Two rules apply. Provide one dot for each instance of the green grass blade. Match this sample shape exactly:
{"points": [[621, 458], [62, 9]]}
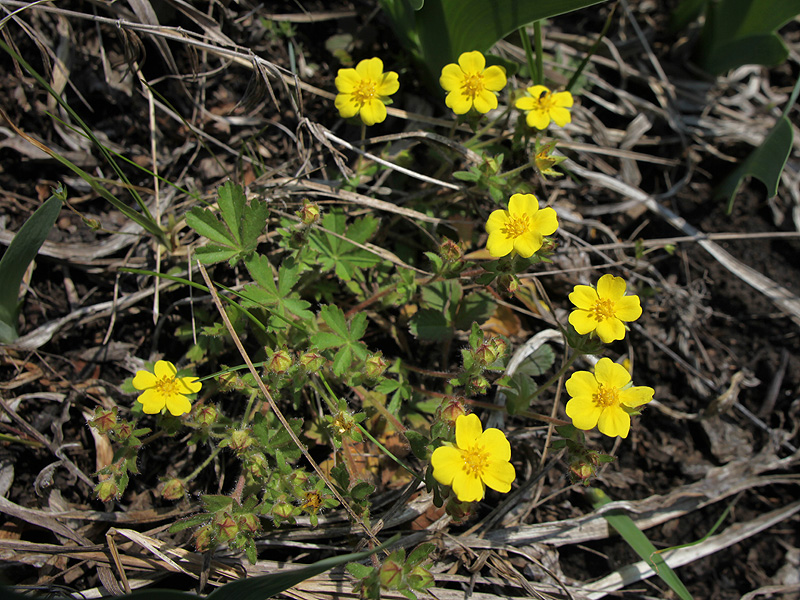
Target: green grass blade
{"points": [[22, 250], [639, 542]]}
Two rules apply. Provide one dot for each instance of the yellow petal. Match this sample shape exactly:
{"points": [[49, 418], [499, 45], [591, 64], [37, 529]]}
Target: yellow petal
{"points": [[178, 405], [545, 221], [562, 99], [610, 287], [582, 321], [636, 395], [499, 244], [152, 401], [611, 374], [583, 412], [610, 330], [468, 488], [164, 368], [388, 85], [144, 380], [537, 90], [346, 105], [370, 68], [373, 111], [560, 116], [472, 62], [584, 297], [452, 78], [527, 244], [347, 80], [526, 103], [538, 119], [189, 385], [494, 78], [468, 430], [496, 444], [614, 422], [582, 384], [485, 101], [458, 102], [447, 462], [499, 475], [497, 221], [628, 308], [523, 204]]}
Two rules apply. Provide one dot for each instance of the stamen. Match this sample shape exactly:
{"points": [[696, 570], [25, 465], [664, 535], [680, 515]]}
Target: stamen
{"points": [[605, 396], [475, 460], [473, 85], [365, 90], [515, 226], [167, 386], [603, 309]]}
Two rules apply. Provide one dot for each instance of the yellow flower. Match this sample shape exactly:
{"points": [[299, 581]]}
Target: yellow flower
{"points": [[544, 106], [521, 228], [365, 91], [478, 459], [470, 85], [600, 398], [163, 388], [603, 311]]}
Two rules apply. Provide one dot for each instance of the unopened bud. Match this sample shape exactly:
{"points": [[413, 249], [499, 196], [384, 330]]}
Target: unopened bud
{"points": [[581, 472], [283, 510], [240, 440], [204, 539], [420, 578], [479, 384], [107, 490], [173, 489], [450, 410], [309, 214], [227, 527], [312, 361], [391, 574], [104, 420], [499, 346], [205, 415], [450, 251], [507, 284], [280, 362], [374, 366], [249, 522]]}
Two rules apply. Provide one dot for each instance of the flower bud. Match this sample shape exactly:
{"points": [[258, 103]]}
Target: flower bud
{"points": [[499, 346], [391, 575], [450, 251], [479, 384], [507, 284], [123, 430], [227, 526], [280, 362], [450, 410], [204, 539], [230, 381], [107, 490], [240, 440], [173, 489], [581, 472], [309, 214], [249, 522], [374, 366], [256, 463], [205, 415], [484, 355], [283, 510], [312, 361], [420, 578], [104, 420]]}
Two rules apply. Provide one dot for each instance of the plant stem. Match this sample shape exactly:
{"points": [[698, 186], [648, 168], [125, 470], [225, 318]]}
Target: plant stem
{"points": [[537, 40], [526, 44], [592, 50], [202, 466]]}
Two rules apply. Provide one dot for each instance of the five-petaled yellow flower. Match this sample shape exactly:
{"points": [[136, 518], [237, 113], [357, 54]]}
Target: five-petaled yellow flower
{"points": [[163, 388], [478, 459], [521, 228], [603, 310], [365, 91], [600, 398], [544, 106], [470, 85]]}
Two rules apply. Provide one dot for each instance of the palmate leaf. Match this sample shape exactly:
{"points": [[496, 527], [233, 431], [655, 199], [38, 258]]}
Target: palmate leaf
{"points": [[343, 335], [339, 254]]}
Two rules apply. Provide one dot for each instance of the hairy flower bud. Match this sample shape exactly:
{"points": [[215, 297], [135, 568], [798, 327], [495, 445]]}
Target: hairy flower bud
{"points": [[104, 420], [283, 510], [450, 410], [227, 526], [240, 441], [107, 490], [204, 539], [312, 361], [450, 251], [173, 489], [420, 578], [205, 415], [479, 384], [507, 284], [249, 522], [391, 574], [309, 214], [374, 366], [279, 362]]}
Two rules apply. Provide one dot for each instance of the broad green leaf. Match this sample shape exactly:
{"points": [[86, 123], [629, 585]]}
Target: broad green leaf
{"points": [[21, 251], [638, 541], [476, 307], [430, 324], [539, 362], [254, 221], [765, 163], [231, 201], [192, 521], [447, 28], [260, 270], [211, 254], [743, 32], [206, 223], [335, 319], [518, 398], [214, 503]]}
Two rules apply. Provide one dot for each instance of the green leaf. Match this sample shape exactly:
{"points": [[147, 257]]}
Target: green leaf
{"points": [[419, 443], [743, 32], [447, 28], [361, 490], [335, 319], [477, 306], [211, 254], [192, 521], [420, 553], [340, 254], [358, 570], [429, 324], [231, 201], [765, 163], [214, 503], [638, 541], [206, 223], [253, 223], [518, 398], [21, 251], [539, 362]]}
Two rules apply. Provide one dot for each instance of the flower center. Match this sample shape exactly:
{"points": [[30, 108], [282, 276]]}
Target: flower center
{"points": [[475, 460], [473, 85], [365, 90], [516, 226], [603, 309], [606, 396], [545, 100], [167, 386]]}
